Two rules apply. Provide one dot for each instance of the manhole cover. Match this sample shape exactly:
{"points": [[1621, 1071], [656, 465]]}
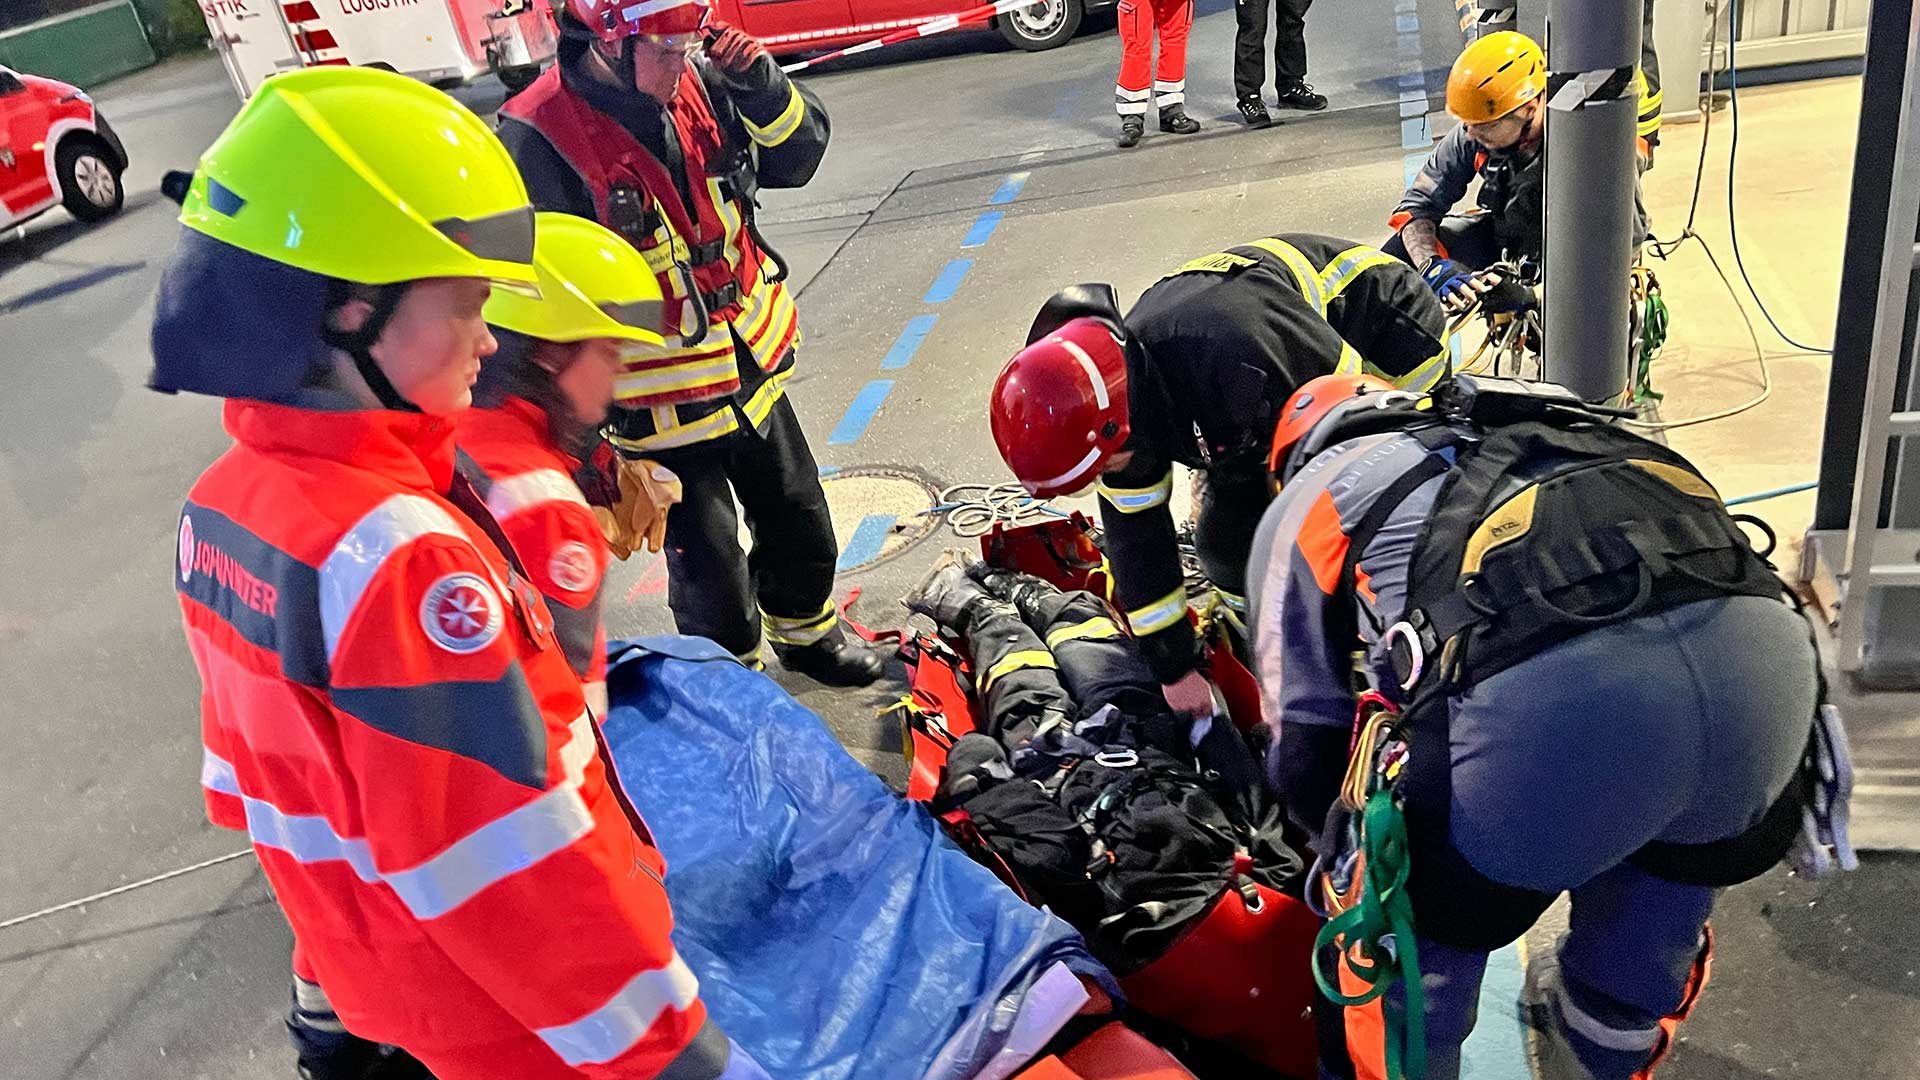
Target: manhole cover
{"points": [[877, 512]]}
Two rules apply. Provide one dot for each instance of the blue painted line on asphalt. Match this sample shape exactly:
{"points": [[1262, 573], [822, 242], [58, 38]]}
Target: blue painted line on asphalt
{"points": [[1009, 189], [1414, 163], [982, 230], [864, 545], [860, 412], [1497, 1049], [908, 342], [948, 282], [1413, 132], [1407, 24], [829, 470]]}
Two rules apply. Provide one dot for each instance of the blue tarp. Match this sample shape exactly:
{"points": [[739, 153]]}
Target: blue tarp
{"points": [[837, 933]]}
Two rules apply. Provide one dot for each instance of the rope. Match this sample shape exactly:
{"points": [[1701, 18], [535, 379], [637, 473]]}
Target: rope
{"points": [[154, 880], [1376, 938], [974, 509]]}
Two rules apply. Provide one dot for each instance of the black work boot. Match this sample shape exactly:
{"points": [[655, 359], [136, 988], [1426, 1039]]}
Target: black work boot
{"points": [[1174, 119], [354, 1058], [1024, 591], [1298, 94], [834, 660], [1254, 112], [1131, 128], [947, 594]]}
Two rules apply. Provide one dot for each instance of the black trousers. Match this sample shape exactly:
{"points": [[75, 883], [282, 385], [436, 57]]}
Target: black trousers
{"points": [[714, 589], [1232, 501], [1250, 43]]}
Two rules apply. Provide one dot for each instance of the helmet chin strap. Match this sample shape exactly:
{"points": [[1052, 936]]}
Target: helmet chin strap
{"points": [[358, 344]]}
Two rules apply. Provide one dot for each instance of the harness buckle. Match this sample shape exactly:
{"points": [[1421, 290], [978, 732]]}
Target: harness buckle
{"points": [[1405, 652]]}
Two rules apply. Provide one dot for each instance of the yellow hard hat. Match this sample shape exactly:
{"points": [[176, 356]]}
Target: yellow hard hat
{"points": [[366, 176], [593, 284], [1494, 76]]}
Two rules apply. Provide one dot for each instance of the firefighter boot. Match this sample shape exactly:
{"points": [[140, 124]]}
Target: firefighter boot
{"points": [[947, 595], [833, 660], [1174, 119], [1131, 128], [1023, 591]]}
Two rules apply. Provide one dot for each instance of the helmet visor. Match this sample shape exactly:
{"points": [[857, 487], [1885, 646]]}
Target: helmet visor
{"points": [[503, 237]]}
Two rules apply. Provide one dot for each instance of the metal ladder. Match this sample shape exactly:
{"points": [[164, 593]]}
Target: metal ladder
{"points": [[1879, 559]]}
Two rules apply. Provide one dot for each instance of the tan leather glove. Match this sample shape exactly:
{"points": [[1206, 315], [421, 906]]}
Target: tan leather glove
{"points": [[648, 490]]}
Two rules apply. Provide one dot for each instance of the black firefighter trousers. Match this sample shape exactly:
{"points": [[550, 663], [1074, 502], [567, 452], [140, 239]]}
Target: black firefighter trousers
{"points": [[714, 589]]}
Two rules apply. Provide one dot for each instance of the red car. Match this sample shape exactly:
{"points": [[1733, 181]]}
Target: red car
{"points": [[793, 26], [55, 149]]}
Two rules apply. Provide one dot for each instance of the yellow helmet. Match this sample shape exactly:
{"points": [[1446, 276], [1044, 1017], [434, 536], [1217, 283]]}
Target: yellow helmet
{"points": [[1495, 75], [365, 176], [593, 284]]}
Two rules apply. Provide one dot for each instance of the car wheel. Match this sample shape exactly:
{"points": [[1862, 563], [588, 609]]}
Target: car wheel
{"points": [[1043, 24], [516, 79], [89, 181]]}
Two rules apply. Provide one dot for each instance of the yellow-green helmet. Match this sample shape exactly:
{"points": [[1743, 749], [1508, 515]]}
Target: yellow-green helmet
{"points": [[365, 176], [592, 283]]}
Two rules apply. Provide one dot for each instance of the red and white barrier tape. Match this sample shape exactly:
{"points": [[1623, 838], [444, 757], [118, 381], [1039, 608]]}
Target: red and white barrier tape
{"points": [[925, 29]]}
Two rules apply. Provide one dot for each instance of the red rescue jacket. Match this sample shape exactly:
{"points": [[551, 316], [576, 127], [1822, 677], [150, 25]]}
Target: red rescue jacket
{"points": [[387, 715], [527, 481]]}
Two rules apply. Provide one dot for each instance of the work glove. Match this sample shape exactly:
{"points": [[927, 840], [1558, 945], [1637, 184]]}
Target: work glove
{"points": [[1500, 293], [1450, 281], [740, 59], [638, 518]]}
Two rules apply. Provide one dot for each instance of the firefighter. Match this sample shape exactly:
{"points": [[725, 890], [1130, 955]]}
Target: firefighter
{"points": [[538, 406], [1140, 20], [1196, 374], [384, 710], [663, 125], [1579, 632], [1496, 91]]}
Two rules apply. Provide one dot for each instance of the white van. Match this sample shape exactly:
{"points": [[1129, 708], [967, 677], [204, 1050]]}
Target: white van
{"points": [[442, 42]]}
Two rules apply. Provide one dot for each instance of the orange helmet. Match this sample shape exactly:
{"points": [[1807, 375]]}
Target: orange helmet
{"points": [[1309, 405], [1059, 407], [614, 21], [1495, 75]]}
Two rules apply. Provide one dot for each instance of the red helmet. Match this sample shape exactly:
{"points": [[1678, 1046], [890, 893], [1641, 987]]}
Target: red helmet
{"points": [[1309, 405], [1060, 407], [613, 21]]}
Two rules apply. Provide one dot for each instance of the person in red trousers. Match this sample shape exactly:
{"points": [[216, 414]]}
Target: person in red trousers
{"points": [[1132, 95]]}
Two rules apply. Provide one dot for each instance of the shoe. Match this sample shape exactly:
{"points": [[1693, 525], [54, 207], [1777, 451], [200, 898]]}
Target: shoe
{"points": [[1131, 128], [1174, 120], [946, 594], [833, 660], [1254, 112], [1299, 94], [1024, 591], [360, 1059]]}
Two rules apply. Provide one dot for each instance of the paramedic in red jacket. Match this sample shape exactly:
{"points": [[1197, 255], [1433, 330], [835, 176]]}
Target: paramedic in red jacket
{"points": [[539, 400], [385, 710], [663, 126]]}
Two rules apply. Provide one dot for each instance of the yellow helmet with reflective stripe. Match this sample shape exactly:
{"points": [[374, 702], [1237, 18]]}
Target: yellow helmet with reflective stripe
{"points": [[593, 284], [1494, 76], [365, 176]]}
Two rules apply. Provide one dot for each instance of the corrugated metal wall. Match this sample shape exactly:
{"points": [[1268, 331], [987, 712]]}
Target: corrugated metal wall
{"points": [[1761, 19], [84, 47]]}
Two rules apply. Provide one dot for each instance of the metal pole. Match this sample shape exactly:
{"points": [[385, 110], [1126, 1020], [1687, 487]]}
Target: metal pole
{"points": [[1592, 47]]}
